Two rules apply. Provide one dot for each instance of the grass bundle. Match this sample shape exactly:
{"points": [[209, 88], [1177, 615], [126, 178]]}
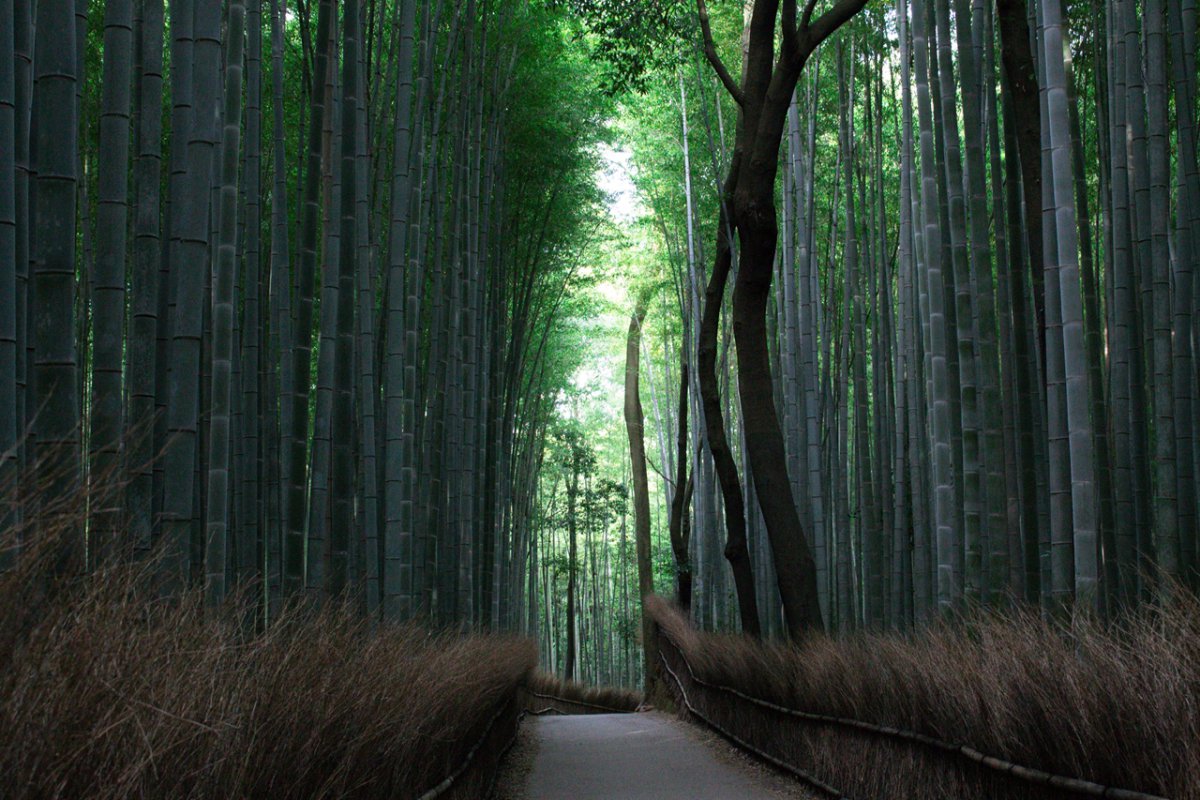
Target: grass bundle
{"points": [[1116, 705]]}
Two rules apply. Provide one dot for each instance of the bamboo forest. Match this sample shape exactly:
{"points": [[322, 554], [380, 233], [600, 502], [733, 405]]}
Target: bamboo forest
{"points": [[416, 399]]}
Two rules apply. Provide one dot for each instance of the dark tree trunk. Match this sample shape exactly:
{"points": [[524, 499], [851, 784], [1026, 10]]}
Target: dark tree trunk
{"points": [[108, 286], [181, 506], [736, 551], [765, 94], [679, 532], [1021, 85], [10, 339], [794, 565], [52, 303], [221, 436], [572, 562], [279, 386], [142, 389], [342, 484], [296, 440]]}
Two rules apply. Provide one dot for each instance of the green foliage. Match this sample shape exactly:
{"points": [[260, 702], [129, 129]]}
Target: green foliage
{"points": [[633, 39]]}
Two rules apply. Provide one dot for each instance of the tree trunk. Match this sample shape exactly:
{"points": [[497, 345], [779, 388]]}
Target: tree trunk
{"points": [[181, 509], [635, 427], [1122, 330], [108, 285], [141, 387], [225, 282], [680, 501], [398, 588], [994, 542], [342, 483], [22, 95], [297, 438], [9, 298], [765, 94], [942, 585], [52, 304], [1166, 494], [1084, 541], [247, 538], [736, 551], [1016, 58], [279, 388], [569, 667]]}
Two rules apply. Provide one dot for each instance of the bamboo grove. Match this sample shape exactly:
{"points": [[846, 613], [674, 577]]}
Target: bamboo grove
{"points": [[282, 291], [981, 336]]}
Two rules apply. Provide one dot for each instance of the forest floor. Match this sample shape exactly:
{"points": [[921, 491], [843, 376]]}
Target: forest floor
{"points": [[649, 756]]}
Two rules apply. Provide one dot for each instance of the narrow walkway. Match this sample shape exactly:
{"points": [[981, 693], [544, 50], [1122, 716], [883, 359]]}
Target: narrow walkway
{"points": [[637, 757]]}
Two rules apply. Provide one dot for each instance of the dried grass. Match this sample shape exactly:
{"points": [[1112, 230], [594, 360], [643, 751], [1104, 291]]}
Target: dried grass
{"points": [[106, 694], [544, 690], [1118, 706]]}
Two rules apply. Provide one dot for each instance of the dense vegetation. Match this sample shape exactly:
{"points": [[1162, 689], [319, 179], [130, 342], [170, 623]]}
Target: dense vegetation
{"points": [[310, 310], [993, 711], [981, 352]]}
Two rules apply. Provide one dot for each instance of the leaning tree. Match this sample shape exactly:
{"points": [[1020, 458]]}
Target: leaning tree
{"points": [[772, 68]]}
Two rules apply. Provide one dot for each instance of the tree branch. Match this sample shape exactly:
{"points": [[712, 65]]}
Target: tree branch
{"points": [[710, 52], [809, 7], [788, 24], [841, 13], [666, 478]]}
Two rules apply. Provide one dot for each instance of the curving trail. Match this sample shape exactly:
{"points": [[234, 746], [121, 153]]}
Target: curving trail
{"points": [[640, 757]]}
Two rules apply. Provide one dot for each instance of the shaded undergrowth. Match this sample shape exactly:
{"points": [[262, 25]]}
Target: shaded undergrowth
{"points": [[1117, 705], [108, 693], [546, 691]]}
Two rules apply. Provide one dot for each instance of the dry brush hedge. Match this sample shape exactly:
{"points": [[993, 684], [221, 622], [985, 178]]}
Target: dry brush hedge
{"points": [[1117, 707], [104, 694], [544, 692]]}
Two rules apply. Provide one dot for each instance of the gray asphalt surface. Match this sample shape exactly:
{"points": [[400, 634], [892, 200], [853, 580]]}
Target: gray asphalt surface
{"points": [[635, 757]]}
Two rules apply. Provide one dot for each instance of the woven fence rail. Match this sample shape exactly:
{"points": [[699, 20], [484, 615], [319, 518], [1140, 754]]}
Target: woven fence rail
{"points": [[807, 777], [1030, 776], [507, 707]]}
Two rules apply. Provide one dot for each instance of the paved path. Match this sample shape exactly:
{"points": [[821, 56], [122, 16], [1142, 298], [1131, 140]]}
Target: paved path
{"points": [[634, 757]]}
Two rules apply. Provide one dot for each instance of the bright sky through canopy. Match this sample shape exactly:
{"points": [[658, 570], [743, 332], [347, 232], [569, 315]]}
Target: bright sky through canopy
{"points": [[616, 181]]}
